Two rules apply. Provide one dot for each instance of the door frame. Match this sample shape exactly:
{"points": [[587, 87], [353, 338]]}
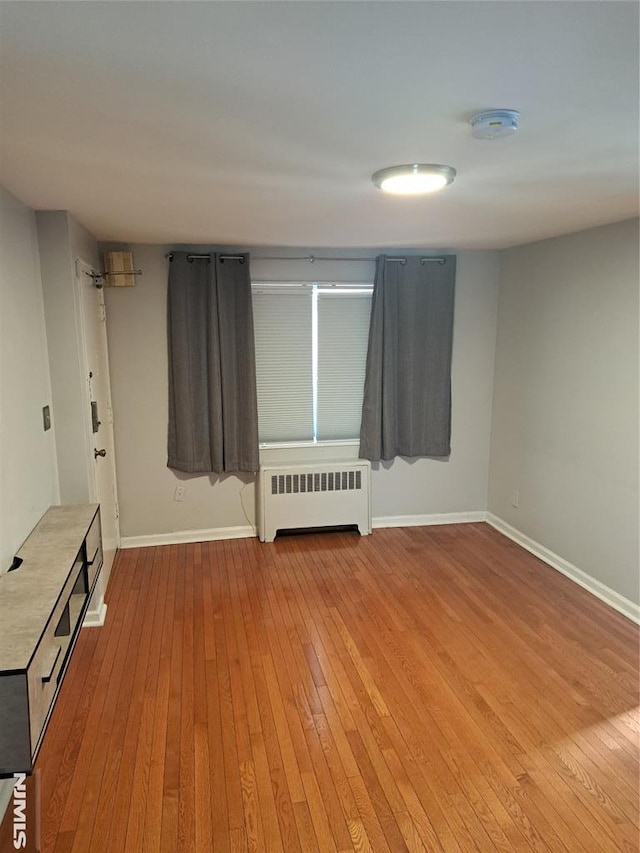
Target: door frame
{"points": [[82, 269]]}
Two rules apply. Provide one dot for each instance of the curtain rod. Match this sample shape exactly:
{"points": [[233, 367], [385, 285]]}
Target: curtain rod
{"points": [[310, 258]]}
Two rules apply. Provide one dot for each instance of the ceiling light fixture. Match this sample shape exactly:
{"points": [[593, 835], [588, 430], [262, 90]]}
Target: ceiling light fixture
{"points": [[413, 179], [494, 124]]}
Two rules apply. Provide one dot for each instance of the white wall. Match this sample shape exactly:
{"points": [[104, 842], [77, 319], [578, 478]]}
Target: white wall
{"points": [[28, 474], [565, 411], [136, 324], [61, 241]]}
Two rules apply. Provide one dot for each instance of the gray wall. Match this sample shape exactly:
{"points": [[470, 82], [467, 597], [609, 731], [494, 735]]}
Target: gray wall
{"points": [[565, 410], [28, 472], [136, 326]]}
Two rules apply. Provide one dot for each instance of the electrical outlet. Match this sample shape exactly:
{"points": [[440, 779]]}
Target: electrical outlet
{"points": [[179, 493], [515, 499]]}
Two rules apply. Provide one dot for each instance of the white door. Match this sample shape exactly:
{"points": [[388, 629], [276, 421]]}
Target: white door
{"points": [[99, 414]]}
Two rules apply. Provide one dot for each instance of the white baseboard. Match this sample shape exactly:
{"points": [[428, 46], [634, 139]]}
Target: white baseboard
{"points": [[604, 593], [426, 520], [95, 618], [180, 537]]}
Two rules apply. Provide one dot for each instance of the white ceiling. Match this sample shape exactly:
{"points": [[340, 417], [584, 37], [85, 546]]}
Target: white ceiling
{"points": [[261, 123]]}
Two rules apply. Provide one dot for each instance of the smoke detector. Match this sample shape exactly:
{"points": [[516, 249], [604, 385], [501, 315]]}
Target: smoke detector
{"points": [[495, 124]]}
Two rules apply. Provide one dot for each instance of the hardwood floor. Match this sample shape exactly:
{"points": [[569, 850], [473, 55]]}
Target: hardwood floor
{"points": [[435, 689]]}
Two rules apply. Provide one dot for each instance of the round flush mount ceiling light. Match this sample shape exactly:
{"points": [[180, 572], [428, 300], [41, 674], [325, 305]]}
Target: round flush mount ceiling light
{"points": [[495, 124], [414, 178]]}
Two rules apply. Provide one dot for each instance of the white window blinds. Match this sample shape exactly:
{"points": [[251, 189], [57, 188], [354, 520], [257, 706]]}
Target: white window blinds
{"points": [[343, 332], [282, 330], [311, 349]]}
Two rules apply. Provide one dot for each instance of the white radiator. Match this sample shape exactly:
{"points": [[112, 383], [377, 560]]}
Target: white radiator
{"points": [[325, 494]]}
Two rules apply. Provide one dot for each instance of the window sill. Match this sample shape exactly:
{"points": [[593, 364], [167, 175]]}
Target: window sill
{"points": [[297, 445]]}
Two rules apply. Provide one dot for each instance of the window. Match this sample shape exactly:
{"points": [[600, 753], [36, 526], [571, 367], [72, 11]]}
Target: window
{"points": [[311, 349]]}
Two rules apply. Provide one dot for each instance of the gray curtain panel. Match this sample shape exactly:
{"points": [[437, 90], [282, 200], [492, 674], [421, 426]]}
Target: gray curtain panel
{"points": [[213, 413], [407, 391]]}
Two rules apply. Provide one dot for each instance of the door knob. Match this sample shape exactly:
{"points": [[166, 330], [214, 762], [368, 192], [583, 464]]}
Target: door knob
{"points": [[97, 453]]}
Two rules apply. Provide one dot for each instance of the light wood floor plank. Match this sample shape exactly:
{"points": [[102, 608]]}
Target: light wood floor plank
{"points": [[423, 689]]}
